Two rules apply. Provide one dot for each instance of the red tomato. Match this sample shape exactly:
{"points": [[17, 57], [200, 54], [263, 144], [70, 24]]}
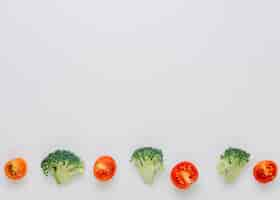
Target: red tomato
{"points": [[16, 169], [184, 174], [104, 168], [265, 171]]}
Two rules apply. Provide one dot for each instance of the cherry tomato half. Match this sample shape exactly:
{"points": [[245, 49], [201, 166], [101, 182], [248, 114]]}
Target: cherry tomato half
{"points": [[184, 174], [265, 171], [104, 168], [16, 169]]}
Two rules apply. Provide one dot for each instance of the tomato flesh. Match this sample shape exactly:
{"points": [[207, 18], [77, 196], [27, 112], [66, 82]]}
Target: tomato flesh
{"points": [[16, 169], [104, 168], [265, 171], [184, 174]]}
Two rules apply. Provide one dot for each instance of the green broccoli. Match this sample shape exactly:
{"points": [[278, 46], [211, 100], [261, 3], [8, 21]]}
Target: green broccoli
{"points": [[62, 165], [231, 163], [149, 162]]}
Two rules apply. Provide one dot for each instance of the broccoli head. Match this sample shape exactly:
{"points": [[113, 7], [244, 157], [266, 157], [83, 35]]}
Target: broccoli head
{"points": [[149, 162], [62, 165], [231, 163]]}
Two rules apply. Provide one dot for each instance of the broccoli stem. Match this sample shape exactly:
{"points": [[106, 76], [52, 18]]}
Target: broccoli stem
{"points": [[62, 174], [148, 174], [57, 178]]}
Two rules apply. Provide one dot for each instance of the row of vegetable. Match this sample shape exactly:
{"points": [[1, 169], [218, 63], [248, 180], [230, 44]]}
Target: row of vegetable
{"points": [[63, 165]]}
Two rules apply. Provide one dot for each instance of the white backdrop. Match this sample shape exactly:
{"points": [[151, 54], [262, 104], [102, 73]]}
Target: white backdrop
{"points": [[191, 77]]}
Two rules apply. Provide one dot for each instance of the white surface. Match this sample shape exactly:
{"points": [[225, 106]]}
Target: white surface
{"points": [[104, 77]]}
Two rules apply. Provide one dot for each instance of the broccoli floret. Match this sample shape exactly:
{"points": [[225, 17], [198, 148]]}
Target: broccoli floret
{"points": [[62, 165], [149, 162], [232, 162]]}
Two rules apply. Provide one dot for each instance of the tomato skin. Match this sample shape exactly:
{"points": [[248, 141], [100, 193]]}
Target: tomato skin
{"points": [[184, 174], [104, 168], [265, 171], [15, 169]]}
